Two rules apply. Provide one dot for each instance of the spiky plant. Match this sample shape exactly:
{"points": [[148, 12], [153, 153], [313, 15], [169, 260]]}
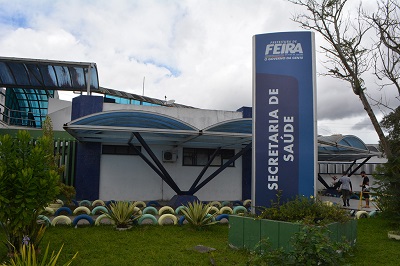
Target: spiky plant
{"points": [[123, 213], [28, 257], [197, 214]]}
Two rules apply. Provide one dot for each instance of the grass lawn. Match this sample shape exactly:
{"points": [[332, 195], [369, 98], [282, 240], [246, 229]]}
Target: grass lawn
{"points": [[174, 245]]}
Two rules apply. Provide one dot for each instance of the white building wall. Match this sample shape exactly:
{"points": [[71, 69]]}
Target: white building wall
{"points": [[60, 113], [130, 178]]}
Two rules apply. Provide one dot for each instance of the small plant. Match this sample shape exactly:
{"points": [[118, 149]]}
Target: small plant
{"points": [[28, 257], [197, 214], [67, 193], [122, 213]]}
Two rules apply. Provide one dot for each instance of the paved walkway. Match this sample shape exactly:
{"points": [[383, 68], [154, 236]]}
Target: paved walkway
{"points": [[354, 203]]}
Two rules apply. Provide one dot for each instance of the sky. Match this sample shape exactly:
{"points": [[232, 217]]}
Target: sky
{"points": [[196, 52]]}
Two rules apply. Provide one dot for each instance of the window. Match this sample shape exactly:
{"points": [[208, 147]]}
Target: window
{"points": [[120, 150], [200, 157]]}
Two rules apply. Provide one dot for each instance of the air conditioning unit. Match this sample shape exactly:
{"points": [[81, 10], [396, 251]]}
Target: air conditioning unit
{"points": [[169, 156]]}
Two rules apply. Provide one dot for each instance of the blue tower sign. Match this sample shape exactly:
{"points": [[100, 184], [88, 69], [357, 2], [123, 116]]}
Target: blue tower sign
{"points": [[284, 127]]}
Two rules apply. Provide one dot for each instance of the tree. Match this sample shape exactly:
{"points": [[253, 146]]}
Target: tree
{"points": [[28, 182], [347, 57], [388, 174]]}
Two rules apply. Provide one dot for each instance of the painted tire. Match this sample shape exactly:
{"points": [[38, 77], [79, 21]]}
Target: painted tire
{"points": [[222, 216], [212, 210], [59, 218], [85, 203], [63, 209], [178, 210], [49, 210], [82, 209], [373, 213], [247, 202], [99, 209], [226, 203], [237, 203], [328, 203], [238, 209], [84, 217], [167, 216], [361, 214], [60, 202], [136, 211], [100, 218], [165, 209], [45, 219], [226, 209], [216, 204], [181, 220], [75, 203], [151, 210], [109, 202], [148, 216], [98, 202], [142, 204], [153, 203]]}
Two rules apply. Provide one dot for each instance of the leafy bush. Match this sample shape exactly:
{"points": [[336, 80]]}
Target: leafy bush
{"points": [[304, 210], [123, 213], [197, 214], [27, 257], [28, 182], [312, 246]]}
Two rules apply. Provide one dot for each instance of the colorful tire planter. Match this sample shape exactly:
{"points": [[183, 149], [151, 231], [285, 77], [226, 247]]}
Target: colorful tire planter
{"points": [[247, 232]]}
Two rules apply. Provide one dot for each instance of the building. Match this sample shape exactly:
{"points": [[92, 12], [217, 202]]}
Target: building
{"points": [[122, 146]]}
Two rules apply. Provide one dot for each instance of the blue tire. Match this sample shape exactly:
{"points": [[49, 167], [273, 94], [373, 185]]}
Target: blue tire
{"points": [[222, 216], [61, 210], [83, 216], [181, 220]]}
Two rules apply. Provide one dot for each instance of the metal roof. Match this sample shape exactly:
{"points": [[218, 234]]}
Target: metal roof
{"points": [[158, 129], [47, 74]]}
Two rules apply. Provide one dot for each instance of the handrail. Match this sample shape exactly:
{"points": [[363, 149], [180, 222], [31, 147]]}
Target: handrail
{"points": [[11, 118]]}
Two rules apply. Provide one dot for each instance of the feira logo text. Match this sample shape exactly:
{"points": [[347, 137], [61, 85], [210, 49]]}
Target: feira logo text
{"points": [[283, 50]]}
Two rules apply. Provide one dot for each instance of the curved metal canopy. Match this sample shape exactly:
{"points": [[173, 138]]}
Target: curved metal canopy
{"points": [[158, 129]]}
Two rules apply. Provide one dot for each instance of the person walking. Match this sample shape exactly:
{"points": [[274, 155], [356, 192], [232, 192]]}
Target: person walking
{"points": [[346, 188], [365, 188]]}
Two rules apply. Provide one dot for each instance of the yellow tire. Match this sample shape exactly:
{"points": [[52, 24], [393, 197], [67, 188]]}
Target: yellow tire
{"points": [[212, 209], [82, 209], [61, 218], [247, 202], [102, 217], [166, 209], [226, 209], [98, 202], [167, 216], [136, 210], [216, 204], [139, 204], [361, 214]]}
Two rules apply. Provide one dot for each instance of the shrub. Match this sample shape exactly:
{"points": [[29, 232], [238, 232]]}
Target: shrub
{"points": [[122, 213], [311, 246], [304, 210], [28, 182], [197, 214], [28, 257]]}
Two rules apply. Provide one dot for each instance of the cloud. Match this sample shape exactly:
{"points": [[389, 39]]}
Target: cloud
{"points": [[198, 53]]}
